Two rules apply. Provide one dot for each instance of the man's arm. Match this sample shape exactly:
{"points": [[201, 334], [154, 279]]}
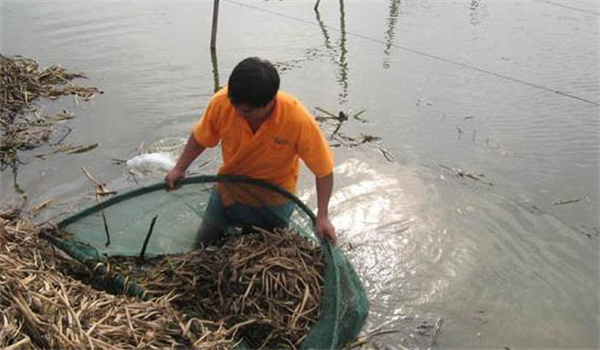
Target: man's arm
{"points": [[324, 190], [191, 151]]}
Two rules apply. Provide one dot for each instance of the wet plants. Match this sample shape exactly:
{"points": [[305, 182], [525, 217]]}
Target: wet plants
{"points": [[22, 127], [342, 139]]}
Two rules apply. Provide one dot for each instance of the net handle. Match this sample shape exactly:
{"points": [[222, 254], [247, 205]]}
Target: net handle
{"points": [[187, 181]]}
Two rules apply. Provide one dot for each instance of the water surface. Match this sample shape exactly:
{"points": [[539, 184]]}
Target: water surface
{"points": [[507, 92]]}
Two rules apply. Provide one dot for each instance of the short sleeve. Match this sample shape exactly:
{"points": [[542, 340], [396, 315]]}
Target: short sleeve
{"points": [[206, 131], [313, 149]]}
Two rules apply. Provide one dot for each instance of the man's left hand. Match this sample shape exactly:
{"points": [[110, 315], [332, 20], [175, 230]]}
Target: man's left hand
{"points": [[325, 229]]}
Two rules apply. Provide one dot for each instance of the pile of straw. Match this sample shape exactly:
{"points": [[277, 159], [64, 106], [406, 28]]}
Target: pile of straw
{"points": [[269, 282], [21, 85], [42, 308], [264, 289]]}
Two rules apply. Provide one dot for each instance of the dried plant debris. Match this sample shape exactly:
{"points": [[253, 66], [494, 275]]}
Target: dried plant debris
{"points": [[460, 173], [341, 139], [423, 336], [21, 136], [23, 83], [350, 141], [264, 288], [268, 285], [42, 308], [570, 201]]}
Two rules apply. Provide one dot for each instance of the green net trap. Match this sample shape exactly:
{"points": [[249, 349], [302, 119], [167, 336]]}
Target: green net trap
{"points": [[150, 221]]}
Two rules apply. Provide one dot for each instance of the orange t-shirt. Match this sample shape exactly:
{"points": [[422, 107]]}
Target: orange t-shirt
{"points": [[272, 153]]}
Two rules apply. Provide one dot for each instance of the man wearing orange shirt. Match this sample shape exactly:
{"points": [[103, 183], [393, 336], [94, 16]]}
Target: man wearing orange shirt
{"points": [[263, 134]]}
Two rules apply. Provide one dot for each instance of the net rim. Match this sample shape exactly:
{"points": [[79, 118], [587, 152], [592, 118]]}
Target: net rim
{"points": [[161, 185]]}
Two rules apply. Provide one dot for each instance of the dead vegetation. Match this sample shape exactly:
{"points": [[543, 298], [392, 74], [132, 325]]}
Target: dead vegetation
{"points": [[266, 285], [341, 139], [263, 288], [22, 127]]}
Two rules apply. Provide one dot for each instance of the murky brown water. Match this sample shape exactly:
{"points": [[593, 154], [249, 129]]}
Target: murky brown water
{"points": [[505, 91]]}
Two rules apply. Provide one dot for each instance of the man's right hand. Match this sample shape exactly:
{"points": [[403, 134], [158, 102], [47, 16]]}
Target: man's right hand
{"points": [[191, 150], [172, 179]]}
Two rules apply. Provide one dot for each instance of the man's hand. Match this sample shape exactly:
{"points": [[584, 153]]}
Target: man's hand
{"points": [[172, 179], [325, 228], [191, 150]]}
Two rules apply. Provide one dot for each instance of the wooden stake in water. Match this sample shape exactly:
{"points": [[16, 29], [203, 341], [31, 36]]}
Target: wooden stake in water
{"points": [[213, 36]]}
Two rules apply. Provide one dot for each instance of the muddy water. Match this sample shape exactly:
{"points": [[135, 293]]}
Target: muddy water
{"points": [[487, 114]]}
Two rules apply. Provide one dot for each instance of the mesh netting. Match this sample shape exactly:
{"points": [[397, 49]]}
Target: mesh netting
{"points": [[154, 222]]}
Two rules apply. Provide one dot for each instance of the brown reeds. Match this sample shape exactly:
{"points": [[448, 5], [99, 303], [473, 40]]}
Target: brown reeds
{"points": [[264, 288], [42, 308], [22, 83], [266, 284]]}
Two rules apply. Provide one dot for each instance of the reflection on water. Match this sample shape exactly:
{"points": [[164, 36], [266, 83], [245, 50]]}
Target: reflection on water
{"points": [[338, 55], [392, 236], [391, 31], [343, 74], [215, 69], [419, 240], [501, 265], [475, 12]]}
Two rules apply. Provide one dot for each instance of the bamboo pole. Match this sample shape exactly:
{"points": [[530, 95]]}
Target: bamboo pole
{"points": [[215, 69], [213, 37]]}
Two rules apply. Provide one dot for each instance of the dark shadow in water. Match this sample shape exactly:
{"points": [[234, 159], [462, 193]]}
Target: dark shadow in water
{"points": [[215, 69], [338, 57], [17, 188], [474, 12], [324, 30], [343, 52], [391, 31]]}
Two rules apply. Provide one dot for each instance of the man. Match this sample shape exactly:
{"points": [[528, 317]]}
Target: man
{"points": [[263, 134]]}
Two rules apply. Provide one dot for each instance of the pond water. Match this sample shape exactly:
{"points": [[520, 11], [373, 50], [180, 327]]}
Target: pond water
{"points": [[478, 206]]}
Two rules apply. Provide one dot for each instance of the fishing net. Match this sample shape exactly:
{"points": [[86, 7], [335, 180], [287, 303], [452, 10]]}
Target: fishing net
{"points": [[149, 221]]}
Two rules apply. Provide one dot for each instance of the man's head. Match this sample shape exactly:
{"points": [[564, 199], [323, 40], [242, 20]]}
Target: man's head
{"points": [[253, 83]]}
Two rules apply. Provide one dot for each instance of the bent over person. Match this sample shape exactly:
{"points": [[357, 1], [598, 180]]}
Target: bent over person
{"points": [[263, 134]]}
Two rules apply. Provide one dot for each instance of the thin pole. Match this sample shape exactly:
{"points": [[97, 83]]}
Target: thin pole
{"points": [[147, 238], [215, 67], [213, 37]]}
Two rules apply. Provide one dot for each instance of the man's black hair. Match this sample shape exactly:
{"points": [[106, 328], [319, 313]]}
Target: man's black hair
{"points": [[253, 82]]}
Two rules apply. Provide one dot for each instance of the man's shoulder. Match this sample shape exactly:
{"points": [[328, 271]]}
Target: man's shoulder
{"points": [[288, 99], [219, 106], [220, 97], [293, 107]]}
